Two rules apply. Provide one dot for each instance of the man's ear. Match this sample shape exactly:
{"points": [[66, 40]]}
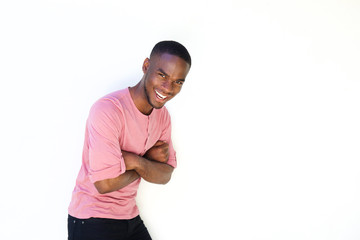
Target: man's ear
{"points": [[146, 65]]}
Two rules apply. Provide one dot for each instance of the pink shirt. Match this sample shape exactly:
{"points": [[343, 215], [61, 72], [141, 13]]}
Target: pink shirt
{"points": [[115, 124]]}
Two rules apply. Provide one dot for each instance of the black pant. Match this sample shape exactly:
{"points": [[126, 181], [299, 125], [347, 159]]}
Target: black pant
{"points": [[107, 229]]}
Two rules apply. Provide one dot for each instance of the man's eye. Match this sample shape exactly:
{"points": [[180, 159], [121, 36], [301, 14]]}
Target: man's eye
{"points": [[161, 75], [179, 82]]}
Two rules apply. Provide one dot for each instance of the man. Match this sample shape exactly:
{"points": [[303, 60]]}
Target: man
{"points": [[128, 137]]}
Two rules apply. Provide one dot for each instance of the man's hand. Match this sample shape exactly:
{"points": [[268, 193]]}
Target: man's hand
{"points": [[159, 152], [152, 166], [131, 160]]}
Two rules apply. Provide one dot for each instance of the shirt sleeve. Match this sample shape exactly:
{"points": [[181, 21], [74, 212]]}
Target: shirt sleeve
{"points": [[104, 127], [166, 136]]}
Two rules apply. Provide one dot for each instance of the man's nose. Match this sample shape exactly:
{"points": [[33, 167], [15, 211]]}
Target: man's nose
{"points": [[167, 87]]}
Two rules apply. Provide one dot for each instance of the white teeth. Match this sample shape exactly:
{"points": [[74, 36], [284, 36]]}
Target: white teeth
{"points": [[161, 96]]}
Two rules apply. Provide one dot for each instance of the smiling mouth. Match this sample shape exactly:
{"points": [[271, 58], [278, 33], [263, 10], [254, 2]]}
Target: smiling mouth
{"points": [[160, 96]]}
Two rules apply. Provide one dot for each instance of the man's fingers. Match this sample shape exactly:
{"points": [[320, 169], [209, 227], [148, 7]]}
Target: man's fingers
{"points": [[159, 143]]}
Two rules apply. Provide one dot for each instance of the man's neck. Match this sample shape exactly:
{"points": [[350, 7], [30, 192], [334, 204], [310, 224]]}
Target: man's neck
{"points": [[138, 96]]}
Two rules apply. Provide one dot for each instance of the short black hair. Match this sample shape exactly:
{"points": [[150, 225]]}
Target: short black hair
{"points": [[173, 48]]}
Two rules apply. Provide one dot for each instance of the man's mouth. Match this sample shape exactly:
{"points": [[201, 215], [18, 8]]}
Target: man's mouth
{"points": [[160, 96]]}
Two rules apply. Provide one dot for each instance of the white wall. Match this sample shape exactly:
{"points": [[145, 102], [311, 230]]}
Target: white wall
{"points": [[266, 128]]}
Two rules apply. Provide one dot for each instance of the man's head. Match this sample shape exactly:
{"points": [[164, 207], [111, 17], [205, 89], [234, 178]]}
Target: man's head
{"points": [[165, 72]]}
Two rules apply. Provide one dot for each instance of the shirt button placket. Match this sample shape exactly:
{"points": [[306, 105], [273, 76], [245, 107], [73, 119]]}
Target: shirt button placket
{"points": [[148, 133]]}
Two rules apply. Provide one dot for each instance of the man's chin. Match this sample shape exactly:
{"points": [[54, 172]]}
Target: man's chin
{"points": [[158, 106]]}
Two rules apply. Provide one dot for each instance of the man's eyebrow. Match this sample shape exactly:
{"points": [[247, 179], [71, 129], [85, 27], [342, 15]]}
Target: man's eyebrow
{"points": [[163, 72]]}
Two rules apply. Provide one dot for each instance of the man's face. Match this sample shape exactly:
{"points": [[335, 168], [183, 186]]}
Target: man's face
{"points": [[164, 76]]}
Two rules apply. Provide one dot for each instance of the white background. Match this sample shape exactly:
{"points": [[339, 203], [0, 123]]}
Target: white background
{"points": [[266, 127]]}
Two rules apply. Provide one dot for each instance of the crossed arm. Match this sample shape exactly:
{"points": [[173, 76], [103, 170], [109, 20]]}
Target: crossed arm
{"points": [[152, 167]]}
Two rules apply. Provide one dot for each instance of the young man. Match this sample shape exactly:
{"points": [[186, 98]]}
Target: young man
{"points": [[128, 137]]}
